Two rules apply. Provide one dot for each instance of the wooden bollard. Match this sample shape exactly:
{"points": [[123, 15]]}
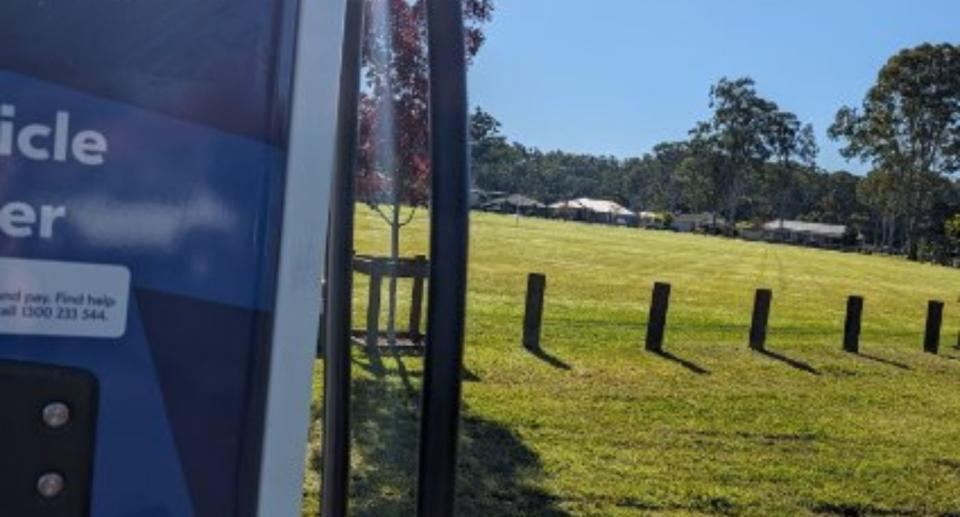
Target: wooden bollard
{"points": [[416, 300], [533, 316], [851, 328], [657, 323], [373, 307], [761, 314], [931, 339]]}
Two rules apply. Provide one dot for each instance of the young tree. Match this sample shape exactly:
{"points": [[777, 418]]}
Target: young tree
{"points": [[393, 161], [909, 125]]}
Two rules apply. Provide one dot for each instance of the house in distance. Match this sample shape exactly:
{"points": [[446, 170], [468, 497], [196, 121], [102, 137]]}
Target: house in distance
{"points": [[594, 211]]}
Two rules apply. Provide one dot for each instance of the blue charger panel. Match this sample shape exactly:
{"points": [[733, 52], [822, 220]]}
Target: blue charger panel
{"points": [[142, 158]]}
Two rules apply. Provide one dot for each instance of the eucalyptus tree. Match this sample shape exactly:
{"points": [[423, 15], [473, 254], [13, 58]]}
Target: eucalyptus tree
{"points": [[792, 145], [909, 125], [733, 143]]}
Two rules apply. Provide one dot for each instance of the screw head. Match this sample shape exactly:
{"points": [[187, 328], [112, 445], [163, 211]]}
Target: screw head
{"points": [[56, 415], [50, 485]]}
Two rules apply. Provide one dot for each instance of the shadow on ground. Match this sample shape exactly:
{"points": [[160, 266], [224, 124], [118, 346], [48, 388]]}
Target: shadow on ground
{"points": [[689, 365], [789, 361], [549, 358], [497, 475], [882, 360]]}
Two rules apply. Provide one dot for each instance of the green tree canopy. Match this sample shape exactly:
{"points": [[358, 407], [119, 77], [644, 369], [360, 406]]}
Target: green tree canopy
{"points": [[909, 125]]}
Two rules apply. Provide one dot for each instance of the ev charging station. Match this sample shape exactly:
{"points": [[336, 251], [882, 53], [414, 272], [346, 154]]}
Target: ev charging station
{"points": [[167, 170], [164, 173]]}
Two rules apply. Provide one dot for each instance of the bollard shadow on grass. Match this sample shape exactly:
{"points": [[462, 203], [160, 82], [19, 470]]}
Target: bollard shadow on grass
{"points": [[881, 360], [373, 364], [469, 375], [789, 361], [689, 365], [548, 358], [497, 474]]}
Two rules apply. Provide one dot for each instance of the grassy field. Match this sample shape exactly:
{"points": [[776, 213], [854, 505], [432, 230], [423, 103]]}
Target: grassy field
{"points": [[598, 426]]}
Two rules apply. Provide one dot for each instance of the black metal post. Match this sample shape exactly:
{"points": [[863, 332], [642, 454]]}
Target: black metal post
{"points": [[761, 316], [449, 225], [931, 339], [657, 322], [851, 327], [533, 315], [336, 386]]}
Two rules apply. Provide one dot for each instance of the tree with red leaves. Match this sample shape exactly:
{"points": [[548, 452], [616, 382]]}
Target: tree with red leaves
{"points": [[394, 159]]}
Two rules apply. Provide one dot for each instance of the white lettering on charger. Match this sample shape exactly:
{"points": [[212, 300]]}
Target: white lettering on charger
{"points": [[20, 220], [41, 142]]}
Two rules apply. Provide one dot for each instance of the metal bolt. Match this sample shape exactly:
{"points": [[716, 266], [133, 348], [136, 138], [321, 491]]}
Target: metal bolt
{"points": [[50, 485], [56, 415]]}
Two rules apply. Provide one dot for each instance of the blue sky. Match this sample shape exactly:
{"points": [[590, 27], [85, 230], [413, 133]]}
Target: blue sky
{"points": [[618, 76]]}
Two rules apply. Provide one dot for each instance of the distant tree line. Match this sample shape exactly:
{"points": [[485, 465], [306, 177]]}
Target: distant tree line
{"points": [[753, 161]]}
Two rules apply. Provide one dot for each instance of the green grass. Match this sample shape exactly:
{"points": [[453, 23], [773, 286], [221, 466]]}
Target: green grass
{"points": [[597, 426]]}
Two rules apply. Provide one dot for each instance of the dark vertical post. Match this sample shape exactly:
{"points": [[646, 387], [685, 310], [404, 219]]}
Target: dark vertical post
{"points": [[657, 323], [931, 340], [416, 300], [851, 328], [373, 306], [761, 315], [449, 226], [336, 371], [533, 316]]}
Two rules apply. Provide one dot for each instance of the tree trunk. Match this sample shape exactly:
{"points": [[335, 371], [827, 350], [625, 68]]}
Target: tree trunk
{"points": [[394, 258], [672, 194], [913, 206], [892, 232], [783, 195], [877, 231], [731, 211], [912, 244], [915, 209], [885, 231]]}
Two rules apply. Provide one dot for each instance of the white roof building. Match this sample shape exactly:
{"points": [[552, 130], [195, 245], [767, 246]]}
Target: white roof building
{"points": [[599, 206]]}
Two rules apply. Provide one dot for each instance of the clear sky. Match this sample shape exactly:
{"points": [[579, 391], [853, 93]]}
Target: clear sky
{"points": [[618, 76]]}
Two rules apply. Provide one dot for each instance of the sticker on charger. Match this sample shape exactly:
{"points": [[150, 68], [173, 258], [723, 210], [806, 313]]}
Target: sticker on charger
{"points": [[48, 298]]}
